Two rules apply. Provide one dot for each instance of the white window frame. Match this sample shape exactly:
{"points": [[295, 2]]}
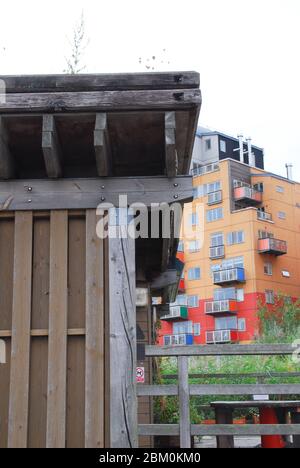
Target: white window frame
{"points": [[268, 269], [242, 325], [223, 146], [270, 296], [193, 301], [197, 329], [192, 276], [216, 214]]}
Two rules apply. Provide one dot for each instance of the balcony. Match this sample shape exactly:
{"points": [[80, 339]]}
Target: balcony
{"points": [[197, 171], [177, 340], [272, 246], [176, 313], [214, 198], [221, 336], [263, 216], [217, 252], [247, 195], [229, 276], [228, 306]]}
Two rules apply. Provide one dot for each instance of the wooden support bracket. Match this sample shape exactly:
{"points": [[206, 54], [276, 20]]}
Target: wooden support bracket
{"points": [[51, 148]]}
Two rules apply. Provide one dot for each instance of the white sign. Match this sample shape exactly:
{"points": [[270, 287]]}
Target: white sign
{"points": [[2, 352], [140, 374]]}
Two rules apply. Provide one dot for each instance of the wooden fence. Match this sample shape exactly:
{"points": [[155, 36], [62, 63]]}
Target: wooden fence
{"points": [[184, 391]]}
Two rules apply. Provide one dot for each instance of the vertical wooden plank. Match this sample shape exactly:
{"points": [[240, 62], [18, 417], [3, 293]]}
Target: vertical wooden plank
{"points": [[122, 318], [184, 402], [21, 314], [6, 272], [37, 419], [75, 427], [57, 352], [94, 401], [4, 392], [7, 169]]}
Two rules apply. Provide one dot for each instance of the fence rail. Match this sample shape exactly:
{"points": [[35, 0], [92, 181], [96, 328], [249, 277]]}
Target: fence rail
{"points": [[184, 391]]}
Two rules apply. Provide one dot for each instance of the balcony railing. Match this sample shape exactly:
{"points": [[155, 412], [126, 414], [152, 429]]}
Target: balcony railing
{"points": [[215, 197], [221, 336], [220, 307], [176, 313], [217, 252], [181, 339], [197, 171], [263, 216], [233, 275], [272, 246], [248, 195]]}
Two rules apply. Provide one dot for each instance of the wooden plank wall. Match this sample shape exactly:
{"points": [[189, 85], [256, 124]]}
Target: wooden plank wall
{"points": [[52, 386]]}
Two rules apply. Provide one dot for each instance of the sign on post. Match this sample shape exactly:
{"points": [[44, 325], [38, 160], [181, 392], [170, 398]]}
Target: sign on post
{"points": [[140, 374]]}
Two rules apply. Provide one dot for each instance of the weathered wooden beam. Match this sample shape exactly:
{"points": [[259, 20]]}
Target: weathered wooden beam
{"points": [[122, 323], [102, 101], [101, 82], [6, 159], [221, 350], [222, 429], [197, 390], [89, 193], [51, 148], [102, 146], [170, 144]]}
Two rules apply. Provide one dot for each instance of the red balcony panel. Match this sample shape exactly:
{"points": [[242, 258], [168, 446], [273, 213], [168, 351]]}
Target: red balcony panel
{"points": [[248, 195], [272, 246]]}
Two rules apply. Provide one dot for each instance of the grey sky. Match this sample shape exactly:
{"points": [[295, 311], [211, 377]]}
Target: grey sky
{"points": [[247, 52]]}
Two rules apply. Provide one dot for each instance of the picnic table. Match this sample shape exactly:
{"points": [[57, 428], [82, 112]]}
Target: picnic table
{"points": [[270, 412]]}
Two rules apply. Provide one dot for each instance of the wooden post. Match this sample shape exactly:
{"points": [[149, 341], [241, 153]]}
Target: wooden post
{"points": [[102, 145], [170, 144], [122, 324], [184, 402], [51, 147], [224, 416], [57, 352], [94, 379], [6, 159], [21, 321]]}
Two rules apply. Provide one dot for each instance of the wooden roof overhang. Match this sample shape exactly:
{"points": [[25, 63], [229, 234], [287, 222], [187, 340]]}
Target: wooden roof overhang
{"points": [[72, 141]]}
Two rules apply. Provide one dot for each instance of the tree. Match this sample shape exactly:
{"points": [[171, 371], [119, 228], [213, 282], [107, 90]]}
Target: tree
{"points": [[78, 46]]}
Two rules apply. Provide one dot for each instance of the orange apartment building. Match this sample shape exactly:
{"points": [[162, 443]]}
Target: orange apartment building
{"points": [[250, 254]]}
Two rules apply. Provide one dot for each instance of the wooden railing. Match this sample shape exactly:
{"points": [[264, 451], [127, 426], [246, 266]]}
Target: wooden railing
{"points": [[184, 391]]}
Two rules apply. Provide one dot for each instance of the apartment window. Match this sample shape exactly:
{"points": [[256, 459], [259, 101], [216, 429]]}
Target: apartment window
{"points": [[217, 239], [240, 295], [180, 246], [237, 237], [268, 269], [242, 324], [265, 235], [194, 246], [183, 328], [281, 215], [270, 297], [193, 301], [194, 274], [197, 329], [237, 262], [208, 144], [224, 294], [181, 300], [259, 187], [279, 189], [226, 323], [212, 187], [286, 274], [214, 215], [223, 146], [193, 219]]}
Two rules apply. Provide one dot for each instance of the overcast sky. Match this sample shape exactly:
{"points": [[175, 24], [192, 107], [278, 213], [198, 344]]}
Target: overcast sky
{"points": [[247, 52]]}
